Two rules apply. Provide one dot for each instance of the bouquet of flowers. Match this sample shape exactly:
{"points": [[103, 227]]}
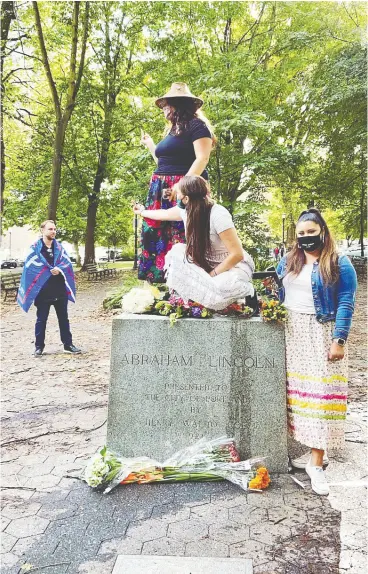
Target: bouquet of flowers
{"points": [[141, 299], [176, 308], [205, 460], [272, 310]]}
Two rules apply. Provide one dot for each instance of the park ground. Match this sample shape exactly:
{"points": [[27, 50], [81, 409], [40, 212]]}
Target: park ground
{"points": [[54, 418]]}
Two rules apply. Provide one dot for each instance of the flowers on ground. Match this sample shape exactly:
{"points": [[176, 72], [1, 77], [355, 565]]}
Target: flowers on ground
{"points": [[103, 467], [205, 460], [261, 479]]}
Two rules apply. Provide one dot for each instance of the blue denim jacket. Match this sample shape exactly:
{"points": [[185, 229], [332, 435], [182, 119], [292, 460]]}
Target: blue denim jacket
{"points": [[332, 302]]}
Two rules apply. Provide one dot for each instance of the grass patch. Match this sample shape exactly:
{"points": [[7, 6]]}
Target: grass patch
{"points": [[120, 265]]}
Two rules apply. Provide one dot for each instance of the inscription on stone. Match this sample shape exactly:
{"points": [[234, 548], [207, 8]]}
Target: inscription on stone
{"points": [[211, 361], [226, 379]]}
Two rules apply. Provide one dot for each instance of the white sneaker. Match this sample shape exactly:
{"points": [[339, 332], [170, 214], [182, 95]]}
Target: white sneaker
{"points": [[318, 479], [302, 461]]}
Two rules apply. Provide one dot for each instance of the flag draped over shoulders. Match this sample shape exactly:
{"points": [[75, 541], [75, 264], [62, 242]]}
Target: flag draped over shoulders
{"points": [[37, 271]]}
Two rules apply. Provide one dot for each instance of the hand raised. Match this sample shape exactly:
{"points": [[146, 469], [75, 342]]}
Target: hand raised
{"points": [[146, 139]]}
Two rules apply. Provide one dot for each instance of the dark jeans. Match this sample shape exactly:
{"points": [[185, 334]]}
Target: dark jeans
{"points": [[43, 310]]}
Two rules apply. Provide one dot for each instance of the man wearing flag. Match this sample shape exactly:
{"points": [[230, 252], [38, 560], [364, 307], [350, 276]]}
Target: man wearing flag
{"points": [[48, 279]]}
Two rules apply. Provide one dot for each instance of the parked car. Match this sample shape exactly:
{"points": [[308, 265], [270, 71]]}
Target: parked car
{"points": [[20, 262], [355, 251], [8, 264]]}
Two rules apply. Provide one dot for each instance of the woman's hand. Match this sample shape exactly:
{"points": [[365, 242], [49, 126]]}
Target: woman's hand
{"points": [[336, 352], [149, 143], [138, 208], [147, 140]]}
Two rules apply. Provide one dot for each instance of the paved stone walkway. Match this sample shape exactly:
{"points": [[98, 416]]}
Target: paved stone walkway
{"points": [[53, 419]]}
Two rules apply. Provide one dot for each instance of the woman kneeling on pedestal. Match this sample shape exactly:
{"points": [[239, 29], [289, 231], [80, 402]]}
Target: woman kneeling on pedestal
{"points": [[211, 268]]}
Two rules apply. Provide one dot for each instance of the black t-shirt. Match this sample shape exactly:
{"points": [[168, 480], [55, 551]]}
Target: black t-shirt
{"points": [[176, 153], [54, 288]]}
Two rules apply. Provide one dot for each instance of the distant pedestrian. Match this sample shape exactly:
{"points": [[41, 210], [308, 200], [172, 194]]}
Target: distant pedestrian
{"points": [[282, 251], [319, 293], [48, 279], [276, 252]]}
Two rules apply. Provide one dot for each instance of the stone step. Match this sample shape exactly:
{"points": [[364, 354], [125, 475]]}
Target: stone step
{"points": [[127, 564]]}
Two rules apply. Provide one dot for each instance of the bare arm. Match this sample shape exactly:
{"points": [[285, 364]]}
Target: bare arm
{"points": [[150, 144], [172, 214], [232, 243], [202, 150]]}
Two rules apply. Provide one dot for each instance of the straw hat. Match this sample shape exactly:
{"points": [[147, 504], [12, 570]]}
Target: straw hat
{"points": [[179, 90]]}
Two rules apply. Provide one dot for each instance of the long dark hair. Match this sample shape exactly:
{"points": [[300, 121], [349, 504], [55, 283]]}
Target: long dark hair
{"points": [[328, 259], [198, 219], [184, 110]]}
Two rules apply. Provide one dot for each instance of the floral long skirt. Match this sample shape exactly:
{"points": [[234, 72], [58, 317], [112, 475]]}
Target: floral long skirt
{"points": [[316, 388], [158, 237]]}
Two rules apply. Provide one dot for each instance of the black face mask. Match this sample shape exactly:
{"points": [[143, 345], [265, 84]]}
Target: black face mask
{"points": [[180, 204], [310, 242]]}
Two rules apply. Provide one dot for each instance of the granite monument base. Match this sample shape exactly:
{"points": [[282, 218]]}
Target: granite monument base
{"points": [[170, 386]]}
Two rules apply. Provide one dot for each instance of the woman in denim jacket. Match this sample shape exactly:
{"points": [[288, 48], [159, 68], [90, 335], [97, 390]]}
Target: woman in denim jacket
{"points": [[319, 293]]}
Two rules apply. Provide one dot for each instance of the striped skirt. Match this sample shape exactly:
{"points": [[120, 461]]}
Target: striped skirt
{"points": [[316, 388]]}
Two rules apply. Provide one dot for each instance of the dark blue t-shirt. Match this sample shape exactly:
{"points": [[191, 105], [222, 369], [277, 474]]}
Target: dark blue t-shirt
{"points": [[176, 153]]}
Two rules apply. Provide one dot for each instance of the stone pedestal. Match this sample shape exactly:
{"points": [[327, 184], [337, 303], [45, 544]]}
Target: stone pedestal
{"points": [[171, 386]]}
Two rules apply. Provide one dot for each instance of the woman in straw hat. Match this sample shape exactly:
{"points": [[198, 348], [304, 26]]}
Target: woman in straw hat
{"points": [[185, 150]]}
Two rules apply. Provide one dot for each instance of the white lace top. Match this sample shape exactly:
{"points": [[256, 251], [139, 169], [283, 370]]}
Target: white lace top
{"points": [[220, 220]]}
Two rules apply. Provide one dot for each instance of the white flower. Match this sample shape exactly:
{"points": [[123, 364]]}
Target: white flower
{"points": [[137, 300], [96, 470]]}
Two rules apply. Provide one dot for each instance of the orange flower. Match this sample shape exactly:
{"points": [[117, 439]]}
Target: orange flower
{"points": [[132, 477], [261, 480], [255, 483], [150, 477]]}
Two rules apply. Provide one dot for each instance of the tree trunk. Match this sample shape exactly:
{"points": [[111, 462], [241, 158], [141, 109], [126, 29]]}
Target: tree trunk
{"points": [[94, 197], [7, 15], [362, 220], [74, 80], [78, 257], [56, 169], [89, 253]]}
